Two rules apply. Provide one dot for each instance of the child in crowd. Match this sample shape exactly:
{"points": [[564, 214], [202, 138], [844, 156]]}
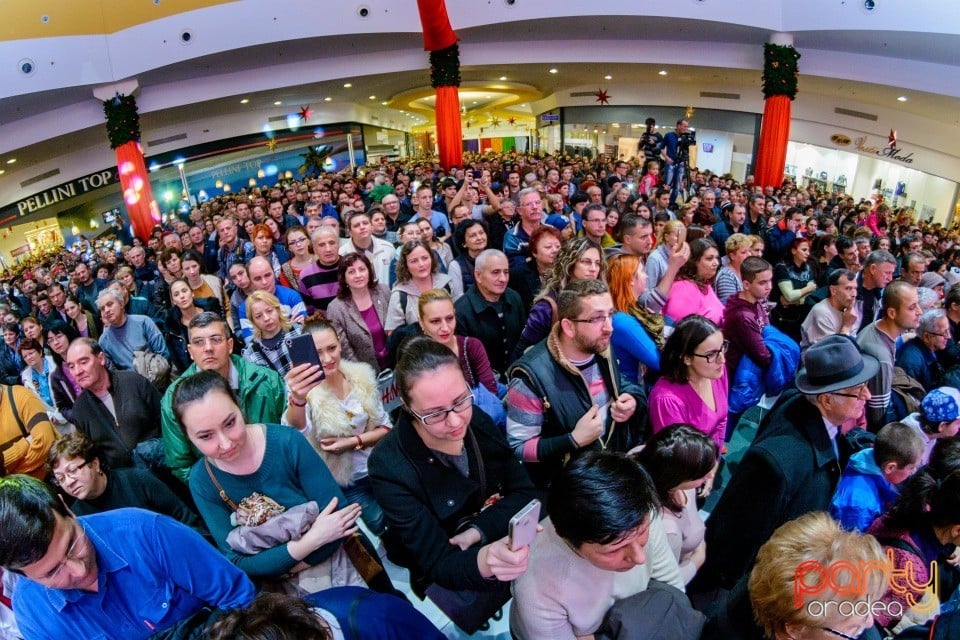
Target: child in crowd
{"points": [[868, 485], [939, 417]]}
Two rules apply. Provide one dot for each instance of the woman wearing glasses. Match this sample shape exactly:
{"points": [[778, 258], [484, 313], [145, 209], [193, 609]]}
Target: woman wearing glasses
{"points": [[77, 468], [447, 480], [693, 385]]}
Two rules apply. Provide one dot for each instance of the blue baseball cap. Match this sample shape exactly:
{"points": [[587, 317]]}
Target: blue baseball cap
{"points": [[941, 405]]}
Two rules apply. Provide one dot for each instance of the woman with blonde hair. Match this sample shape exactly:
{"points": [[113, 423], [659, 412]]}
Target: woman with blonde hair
{"points": [[271, 328], [738, 248], [418, 270], [669, 240], [637, 333]]}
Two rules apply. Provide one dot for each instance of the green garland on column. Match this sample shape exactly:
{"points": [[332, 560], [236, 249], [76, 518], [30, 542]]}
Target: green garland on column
{"points": [[445, 67], [123, 120], [780, 71]]}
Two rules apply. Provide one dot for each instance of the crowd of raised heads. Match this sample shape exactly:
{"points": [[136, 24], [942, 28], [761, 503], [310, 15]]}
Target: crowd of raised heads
{"points": [[599, 398]]}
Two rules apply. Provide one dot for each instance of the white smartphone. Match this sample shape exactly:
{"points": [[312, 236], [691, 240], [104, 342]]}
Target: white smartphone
{"points": [[523, 526]]}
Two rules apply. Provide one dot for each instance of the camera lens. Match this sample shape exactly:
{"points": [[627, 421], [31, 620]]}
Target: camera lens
{"points": [[869, 5]]}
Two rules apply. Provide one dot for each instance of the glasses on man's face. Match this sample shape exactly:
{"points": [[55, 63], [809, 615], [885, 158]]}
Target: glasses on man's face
{"points": [[74, 554], [436, 417], [214, 341], [69, 472], [858, 394], [596, 320], [939, 335], [711, 356]]}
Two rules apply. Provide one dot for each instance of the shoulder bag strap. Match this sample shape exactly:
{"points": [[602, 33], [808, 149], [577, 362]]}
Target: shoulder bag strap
{"points": [[223, 494], [481, 472], [466, 358]]}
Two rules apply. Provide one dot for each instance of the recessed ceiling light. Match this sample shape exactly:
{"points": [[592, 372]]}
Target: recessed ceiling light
{"points": [[502, 78], [245, 101], [278, 103], [662, 72], [486, 97], [327, 99], [384, 103], [474, 102], [347, 85], [373, 97], [608, 77], [554, 70], [615, 125], [902, 99], [2, 171], [11, 160]]}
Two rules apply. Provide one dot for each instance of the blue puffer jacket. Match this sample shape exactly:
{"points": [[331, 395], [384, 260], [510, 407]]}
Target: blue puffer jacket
{"points": [[750, 382], [863, 493]]}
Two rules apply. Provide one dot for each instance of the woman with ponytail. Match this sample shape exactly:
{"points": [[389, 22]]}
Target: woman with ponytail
{"points": [[921, 527]]}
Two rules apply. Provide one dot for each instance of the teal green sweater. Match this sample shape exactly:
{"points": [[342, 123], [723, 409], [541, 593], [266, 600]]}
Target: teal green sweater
{"points": [[291, 473]]}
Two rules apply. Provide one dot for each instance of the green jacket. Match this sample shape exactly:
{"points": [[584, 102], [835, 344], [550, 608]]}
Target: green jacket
{"points": [[262, 398]]}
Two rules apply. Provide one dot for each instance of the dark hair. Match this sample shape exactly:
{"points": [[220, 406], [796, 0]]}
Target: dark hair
{"points": [[347, 261], [600, 497], [945, 458], [698, 248], [27, 520], [926, 501], [674, 455], [205, 319], [896, 442], [270, 616], [193, 256], [752, 267], [297, 229], [952, 296], [844, 243], [629, 223], [61, 328], [29, 344], [460, 233], [73, 445], [196, 387], [419, 355], [403, 273], [12, 326], [834, 278], [578, 197], [686, 337], [166, 254]]}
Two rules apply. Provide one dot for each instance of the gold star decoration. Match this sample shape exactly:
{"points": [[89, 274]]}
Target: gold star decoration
{"points": [[494, 121], [272, 144], [602, 96]]}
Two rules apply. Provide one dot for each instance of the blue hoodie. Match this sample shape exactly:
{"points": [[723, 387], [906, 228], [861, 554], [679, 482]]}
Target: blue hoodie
{"points": [[862, 494]]}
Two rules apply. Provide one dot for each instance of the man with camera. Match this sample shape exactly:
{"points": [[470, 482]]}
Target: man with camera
{"points": [[676, 154]]}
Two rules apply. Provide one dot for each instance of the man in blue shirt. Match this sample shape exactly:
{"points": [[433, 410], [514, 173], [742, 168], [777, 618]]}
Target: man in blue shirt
{"points": [[127, 573], [675, 155]]}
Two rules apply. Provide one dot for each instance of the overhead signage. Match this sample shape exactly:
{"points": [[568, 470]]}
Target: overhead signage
{"points": [[550, 117], [891, 152], [72, 189]]}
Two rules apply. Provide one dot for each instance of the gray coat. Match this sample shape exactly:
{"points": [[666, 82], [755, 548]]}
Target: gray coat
{"points": [[355, 339]]}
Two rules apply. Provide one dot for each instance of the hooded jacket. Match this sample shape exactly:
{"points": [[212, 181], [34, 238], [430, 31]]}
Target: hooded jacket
{"points": [[863, 493]]}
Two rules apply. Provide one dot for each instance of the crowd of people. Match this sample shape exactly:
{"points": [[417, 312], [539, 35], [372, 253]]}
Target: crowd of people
{"points": [[200, 416]]}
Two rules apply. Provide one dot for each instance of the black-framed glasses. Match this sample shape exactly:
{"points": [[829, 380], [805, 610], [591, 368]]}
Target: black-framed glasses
{"points": [[711, 356], [858, 394], [69, 472], [840, 634], [436, 417], [596, 320]]}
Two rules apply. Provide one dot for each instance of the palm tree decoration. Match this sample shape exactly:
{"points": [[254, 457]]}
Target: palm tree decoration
{"points": [[314, 159]]}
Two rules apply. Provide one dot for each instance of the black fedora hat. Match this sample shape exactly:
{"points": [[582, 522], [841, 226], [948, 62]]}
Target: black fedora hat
{"points": [[833, 364]]}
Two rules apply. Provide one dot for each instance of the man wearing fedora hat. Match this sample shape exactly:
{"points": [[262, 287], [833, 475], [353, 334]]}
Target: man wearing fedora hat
{"points": [[794, 463]]}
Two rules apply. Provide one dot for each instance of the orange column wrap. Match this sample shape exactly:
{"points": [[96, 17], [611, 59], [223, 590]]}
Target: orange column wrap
{"points": [[449, 133], [774, 134], [142, 209]]}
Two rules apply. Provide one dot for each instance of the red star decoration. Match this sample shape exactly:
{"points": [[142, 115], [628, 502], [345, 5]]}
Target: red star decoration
{"points": [[602, 96], [892, 139], [305, 113], [512, 120]]}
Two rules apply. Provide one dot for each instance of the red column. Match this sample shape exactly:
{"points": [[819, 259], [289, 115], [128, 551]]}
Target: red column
{"points": [[779, 89], [123, 129], [441, 41]]}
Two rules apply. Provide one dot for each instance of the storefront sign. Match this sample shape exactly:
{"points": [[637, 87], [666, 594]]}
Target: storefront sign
{"points": [[76, 187], [19, 251], [550, 117], [889, 152], [840, 140]]}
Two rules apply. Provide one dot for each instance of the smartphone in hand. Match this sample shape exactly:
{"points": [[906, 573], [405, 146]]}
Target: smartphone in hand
{"points": [[302, 350], [522, 528]]}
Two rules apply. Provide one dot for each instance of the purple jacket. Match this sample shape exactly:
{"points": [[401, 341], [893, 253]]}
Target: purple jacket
{"points": [[743, 324]]}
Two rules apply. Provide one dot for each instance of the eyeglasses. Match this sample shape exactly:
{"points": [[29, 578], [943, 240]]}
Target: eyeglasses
{"points": [[858, 394], [437, 417], [590, 263], [298, 241], [596, 320], [841, 634], [711, 356], [74, 553], [939, 335], [214, 341], [69, 472]]}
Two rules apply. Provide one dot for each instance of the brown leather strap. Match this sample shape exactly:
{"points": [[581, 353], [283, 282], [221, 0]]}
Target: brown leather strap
{"points": [[223, 494]]}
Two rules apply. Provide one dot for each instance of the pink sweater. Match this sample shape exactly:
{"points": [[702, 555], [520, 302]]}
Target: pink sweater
{"points": [[686, 298], [672, 402]]}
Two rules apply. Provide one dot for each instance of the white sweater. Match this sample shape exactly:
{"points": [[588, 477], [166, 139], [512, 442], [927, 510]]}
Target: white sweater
{"points": [[562, 596]]}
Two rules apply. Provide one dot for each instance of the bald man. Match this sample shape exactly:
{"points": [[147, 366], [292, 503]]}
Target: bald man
{"points": [[262, 278]]}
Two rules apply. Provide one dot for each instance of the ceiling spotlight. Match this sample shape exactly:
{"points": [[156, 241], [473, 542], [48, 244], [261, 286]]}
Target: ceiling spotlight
{"points": [[384, 103], [347, 85], [2, 171], [608, 77], [11, 160], [502, 78], [902, 99], [373, 97], [662, 72], [278, 103], [554, 70], [328, 99], [245, 101]]}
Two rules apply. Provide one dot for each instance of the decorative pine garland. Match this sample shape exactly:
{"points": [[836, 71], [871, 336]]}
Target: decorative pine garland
{"points": [[445, 67], [123, 120], [780, 71]]}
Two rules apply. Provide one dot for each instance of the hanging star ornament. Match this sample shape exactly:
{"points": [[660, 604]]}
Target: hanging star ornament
{"points": [[272, 144], [512, 120], [892, 139], [305, 113], [494, 121], [602, 96]]}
